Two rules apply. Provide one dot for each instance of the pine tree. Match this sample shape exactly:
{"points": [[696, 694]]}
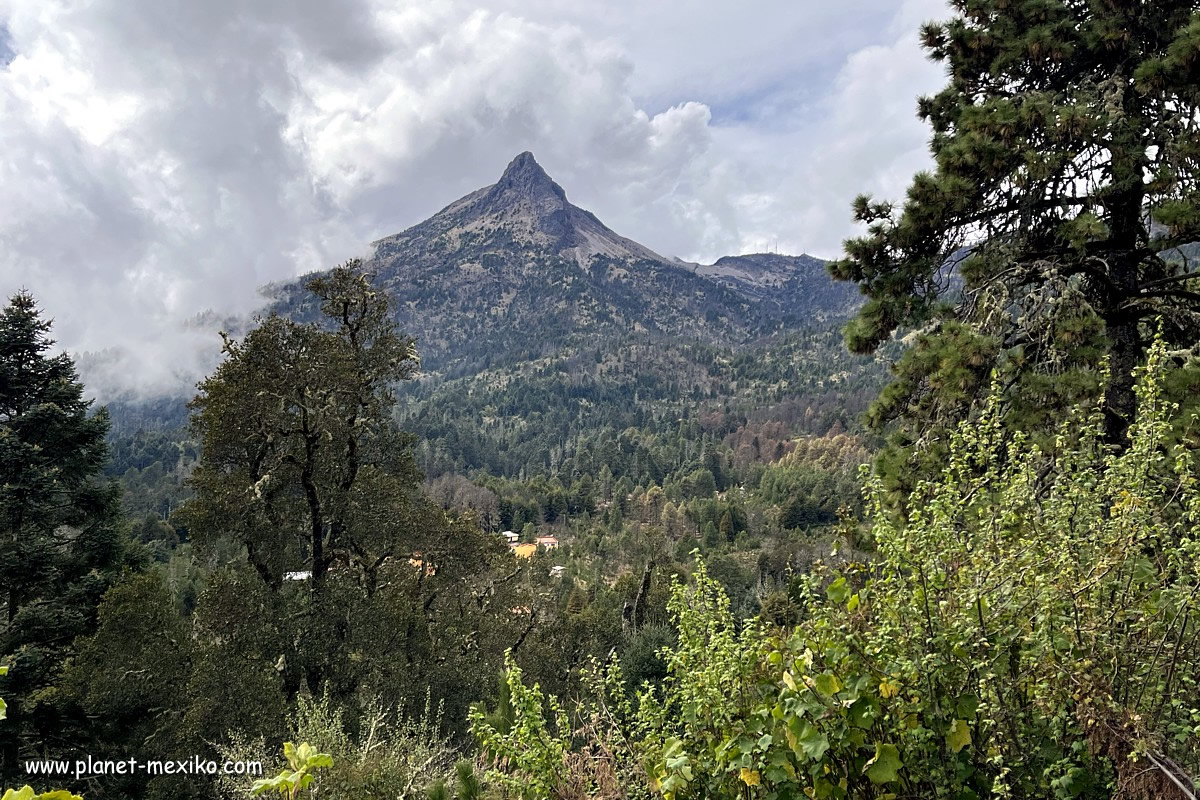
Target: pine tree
{"points": [[60, 542], [726, 527], [1048, 237]]}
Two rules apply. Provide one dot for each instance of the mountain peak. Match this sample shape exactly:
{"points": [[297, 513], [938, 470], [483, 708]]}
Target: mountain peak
{"points": [[524, 181], [514, 266], [524, 163], [526, 208]]}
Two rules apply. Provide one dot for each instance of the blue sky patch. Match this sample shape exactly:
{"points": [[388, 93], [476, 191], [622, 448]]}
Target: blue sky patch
{"points": [[6, 50]]}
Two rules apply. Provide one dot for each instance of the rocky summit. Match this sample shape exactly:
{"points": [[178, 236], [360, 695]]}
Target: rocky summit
{"points": [[526, 206], [514, 271]]}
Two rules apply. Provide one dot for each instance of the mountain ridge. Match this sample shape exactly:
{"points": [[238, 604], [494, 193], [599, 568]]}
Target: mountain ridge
{"points": [[514, 271], [528, 201]]}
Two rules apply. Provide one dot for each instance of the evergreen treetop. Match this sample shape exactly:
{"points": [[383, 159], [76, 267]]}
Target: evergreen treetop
{"points": [[1049, 232], [60, 543]]}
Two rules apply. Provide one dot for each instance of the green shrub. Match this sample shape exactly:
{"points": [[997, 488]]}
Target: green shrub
{"points": [[384, 756], [1029, 631], [28, 792]]}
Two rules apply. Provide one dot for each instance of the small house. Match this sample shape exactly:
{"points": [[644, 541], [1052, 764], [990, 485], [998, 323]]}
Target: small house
{"points": [[548, 542], [418, 563]]}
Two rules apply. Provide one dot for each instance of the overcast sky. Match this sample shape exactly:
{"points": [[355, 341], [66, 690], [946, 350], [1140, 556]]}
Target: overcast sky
{"points": [[164, 158]]}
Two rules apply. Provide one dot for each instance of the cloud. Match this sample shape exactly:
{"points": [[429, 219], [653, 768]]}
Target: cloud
{"points": [[164, 158], [863, 136]]}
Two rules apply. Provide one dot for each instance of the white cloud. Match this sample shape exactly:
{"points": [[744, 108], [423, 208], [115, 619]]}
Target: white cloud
{"points": [[166, 157]]}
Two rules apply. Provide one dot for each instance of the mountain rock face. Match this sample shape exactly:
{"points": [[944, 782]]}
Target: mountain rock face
{"points": [[525, 208], [787, 282], [514, 271]]}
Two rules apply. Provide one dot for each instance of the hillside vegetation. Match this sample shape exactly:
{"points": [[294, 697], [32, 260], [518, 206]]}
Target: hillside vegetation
{"points": [[519, 509]]}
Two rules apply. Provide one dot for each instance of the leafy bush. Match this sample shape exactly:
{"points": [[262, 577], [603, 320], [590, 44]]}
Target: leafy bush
{"points": [[1029, 631], [384, 756], [303, 763], [28, 793], [527, 751]]}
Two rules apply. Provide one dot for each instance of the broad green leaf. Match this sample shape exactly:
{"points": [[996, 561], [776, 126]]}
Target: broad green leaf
{"points": [[827, 684], [277, 783], [27, 793], [822, 789], [779, 774], [319, 760], [1143, 570], [838, 591], [885, 766], [959, 735], [812, 742], [863, 712], [289, 752]]}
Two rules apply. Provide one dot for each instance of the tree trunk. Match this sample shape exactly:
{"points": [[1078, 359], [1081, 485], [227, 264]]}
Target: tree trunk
{"points": [[1128, 233], [1120, 400], [639, 602]]}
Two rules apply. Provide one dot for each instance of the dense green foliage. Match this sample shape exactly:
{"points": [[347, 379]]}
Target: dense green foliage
{"points": [[1030, 631], [60, 542], [1048, 235], [1026, 631], [418, 598], [469, 576], [302, 765]]}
